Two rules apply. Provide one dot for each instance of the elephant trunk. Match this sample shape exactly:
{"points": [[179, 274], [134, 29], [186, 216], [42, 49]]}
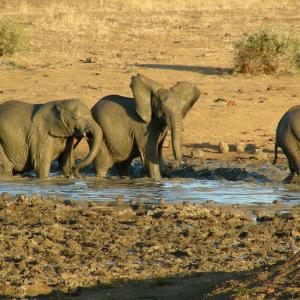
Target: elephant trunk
{"points": [[95, 131], [176, 135]]}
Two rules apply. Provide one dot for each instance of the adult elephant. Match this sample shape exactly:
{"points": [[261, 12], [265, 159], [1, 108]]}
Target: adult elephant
{"points": [[288, 139], [137, 126], [32, 135]]}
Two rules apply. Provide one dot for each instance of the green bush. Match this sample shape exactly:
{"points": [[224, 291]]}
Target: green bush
{"points": [[11, 38], [266, 53]]}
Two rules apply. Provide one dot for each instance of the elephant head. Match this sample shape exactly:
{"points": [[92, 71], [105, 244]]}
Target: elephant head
{"points": [[67, 118], [166, 106]]}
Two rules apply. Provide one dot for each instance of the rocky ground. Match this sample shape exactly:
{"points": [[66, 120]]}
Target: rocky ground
{"points": [[121, 251]]}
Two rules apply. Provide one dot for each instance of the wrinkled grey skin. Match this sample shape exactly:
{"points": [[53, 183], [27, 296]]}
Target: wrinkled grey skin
{"points": [[32, 135], [137, 126], [288, 139]]}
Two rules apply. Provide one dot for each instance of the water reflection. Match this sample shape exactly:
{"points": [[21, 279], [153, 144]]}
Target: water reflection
{"points": [[178, 190]]}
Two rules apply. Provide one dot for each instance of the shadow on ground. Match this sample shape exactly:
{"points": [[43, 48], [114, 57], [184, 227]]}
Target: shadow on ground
{"points": [[197, 286], [197, 69], [251, 284]]}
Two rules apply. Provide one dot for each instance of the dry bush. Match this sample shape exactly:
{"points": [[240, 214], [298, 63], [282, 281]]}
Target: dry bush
{"points": [[11, 37], [266, 53]]}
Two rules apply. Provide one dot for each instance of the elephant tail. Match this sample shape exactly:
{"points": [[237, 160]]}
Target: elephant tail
{"points": [[275, 152]]}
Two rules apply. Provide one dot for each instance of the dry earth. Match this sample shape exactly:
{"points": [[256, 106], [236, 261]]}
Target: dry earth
{"points": [[89, 49], [146, 252]]}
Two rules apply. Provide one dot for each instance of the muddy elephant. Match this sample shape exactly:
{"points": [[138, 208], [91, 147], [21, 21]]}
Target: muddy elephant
{"points": [[137, 126], [288, 139], [32, 135]]}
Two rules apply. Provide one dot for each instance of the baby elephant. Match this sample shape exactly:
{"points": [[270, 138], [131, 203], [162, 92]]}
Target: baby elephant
{"points": [[32, 135], [137, 126], [288, 139]]}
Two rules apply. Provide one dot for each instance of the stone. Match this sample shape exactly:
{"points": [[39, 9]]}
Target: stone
{"points": [[285, 215], [240, 148], [223, 147], [261, 155], [119, 199], [197, 153], [251, 148], [231, 103], [5, 196]]}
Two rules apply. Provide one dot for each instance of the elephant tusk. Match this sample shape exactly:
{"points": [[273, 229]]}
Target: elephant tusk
{"points": [[142, 157]]}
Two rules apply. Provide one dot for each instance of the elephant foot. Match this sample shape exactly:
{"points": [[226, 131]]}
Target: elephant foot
{"points": [[166, 171], [75, 173], [5, 171], [292, 178], [176, 164]]}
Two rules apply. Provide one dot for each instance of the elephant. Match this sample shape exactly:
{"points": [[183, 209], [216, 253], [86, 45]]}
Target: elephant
{"points": [[288, 139], [32, 135], [136, 127]]}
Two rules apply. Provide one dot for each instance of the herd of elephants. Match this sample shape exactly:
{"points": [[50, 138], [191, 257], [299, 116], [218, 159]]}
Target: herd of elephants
{"points": [[118, 129]]}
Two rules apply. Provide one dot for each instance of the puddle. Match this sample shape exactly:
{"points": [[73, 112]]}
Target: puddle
{"points": [[194, 190]]}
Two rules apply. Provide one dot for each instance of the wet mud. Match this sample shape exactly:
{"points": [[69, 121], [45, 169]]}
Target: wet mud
{"points": [[84, 250]]}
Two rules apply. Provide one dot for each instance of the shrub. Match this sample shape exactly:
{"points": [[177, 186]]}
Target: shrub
{"points": [[266, 53], [11, 39], [258, 53]]}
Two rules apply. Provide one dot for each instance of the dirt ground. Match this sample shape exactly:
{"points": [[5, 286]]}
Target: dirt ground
{"points": [[89, 49], [61, 248]]}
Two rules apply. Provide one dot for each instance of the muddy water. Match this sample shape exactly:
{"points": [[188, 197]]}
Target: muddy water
{"points": [[175, 190]]}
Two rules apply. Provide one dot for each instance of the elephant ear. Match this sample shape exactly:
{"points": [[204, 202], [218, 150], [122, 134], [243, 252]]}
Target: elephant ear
{"points": [[188, 94], [47, 118], [143, 89]]}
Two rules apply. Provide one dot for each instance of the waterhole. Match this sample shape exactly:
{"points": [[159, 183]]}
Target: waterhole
{"points": [[175, 191], [222, 183]]}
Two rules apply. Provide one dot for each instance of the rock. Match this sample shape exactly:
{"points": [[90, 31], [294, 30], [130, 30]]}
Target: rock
{"points": [[186, 202], [285, 215], [250, 148], [243, 235], [295, 233], [5, 196], [119, 199], [240, 148], [89, 60], [68, 202], [162, 201], [264, 217], [24, 199], [231, 103], [36, 200], [221, 100], [223, 147], [197, 153], [261, 155]]}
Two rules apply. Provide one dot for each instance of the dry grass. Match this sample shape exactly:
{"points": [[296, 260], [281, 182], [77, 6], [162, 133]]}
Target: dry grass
{"points": [[68, 30]]}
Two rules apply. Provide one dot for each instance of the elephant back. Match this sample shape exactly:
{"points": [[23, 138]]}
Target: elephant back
{"points": [[113, 108], [15, 115]]}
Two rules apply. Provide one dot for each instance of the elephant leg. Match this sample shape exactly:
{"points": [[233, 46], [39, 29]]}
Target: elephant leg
{"points": [[6, 168], [42, 160], [43, 169], [66, 160], [152, 159], [292, 152], [123, 167], [162, 166], [103, 162]]}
